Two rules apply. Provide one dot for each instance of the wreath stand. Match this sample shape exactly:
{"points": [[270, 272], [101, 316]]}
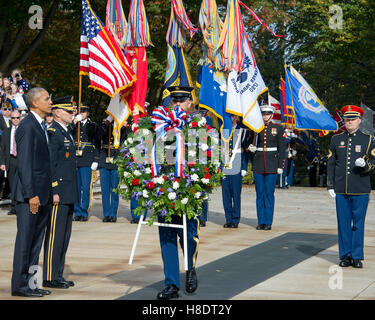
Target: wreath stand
{"points": [[182, 226]]}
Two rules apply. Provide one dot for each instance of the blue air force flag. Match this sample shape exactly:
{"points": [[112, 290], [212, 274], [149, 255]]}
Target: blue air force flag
{"points": [[213, 97], [309, 111], [244, 88]]}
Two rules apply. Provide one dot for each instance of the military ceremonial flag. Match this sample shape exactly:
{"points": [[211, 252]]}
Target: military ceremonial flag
{"points": [[101, 58], [177, 70], [116, 21], [276, 118], [213, 96], [309, 111], [137, 39], [244, 88]]}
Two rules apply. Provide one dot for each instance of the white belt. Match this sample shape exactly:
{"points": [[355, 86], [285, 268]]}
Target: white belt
{"points": [[267, 149]]}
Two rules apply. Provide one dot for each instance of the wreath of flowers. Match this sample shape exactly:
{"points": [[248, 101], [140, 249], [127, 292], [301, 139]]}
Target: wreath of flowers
{"points": [[167, 194]]}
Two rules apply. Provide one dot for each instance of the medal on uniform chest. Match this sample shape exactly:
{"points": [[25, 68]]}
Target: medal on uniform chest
{"points": [[274, 131], [79, 152], [357, 148], [67, 154]]}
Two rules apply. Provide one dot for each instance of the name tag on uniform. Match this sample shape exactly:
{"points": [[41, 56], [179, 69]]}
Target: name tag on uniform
{"points": [[274, 131], [357, 148]]}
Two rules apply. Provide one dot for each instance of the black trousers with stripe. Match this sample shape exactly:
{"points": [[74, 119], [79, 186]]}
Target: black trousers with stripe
{"points": [[59, 229]]}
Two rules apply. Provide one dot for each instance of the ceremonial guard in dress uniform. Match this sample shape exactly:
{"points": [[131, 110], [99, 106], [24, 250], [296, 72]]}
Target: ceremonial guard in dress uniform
{"points": [[65, 194], [180, 96], [268, 148], [87, 162], [109, 178], [231, 184], [351, 157]]}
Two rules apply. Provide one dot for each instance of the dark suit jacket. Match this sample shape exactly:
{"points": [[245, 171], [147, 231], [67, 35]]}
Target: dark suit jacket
{"points": [[33, 175], [5, 147], [63, 164]]}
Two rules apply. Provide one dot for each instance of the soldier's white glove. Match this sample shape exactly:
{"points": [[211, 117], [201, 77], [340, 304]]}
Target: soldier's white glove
{"points": [[332, 193], [360, 162], [78, 118], [94, 166], [252, 148], [243, 173], [279, 171], [289, 155]]}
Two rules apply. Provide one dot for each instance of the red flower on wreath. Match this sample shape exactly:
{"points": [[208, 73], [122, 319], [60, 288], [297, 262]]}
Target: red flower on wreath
{"points": [[150, 185], [172, 205], [135, 182], [194, 124], [207, 176], [208, 153]]}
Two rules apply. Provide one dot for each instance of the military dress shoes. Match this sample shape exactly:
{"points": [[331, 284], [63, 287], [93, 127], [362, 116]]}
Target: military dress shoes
{"points": [[30, 293], [84, 218], [57, 284], [345, 262], [191, 281], [43, 292], [169, 292], [227, 225], [234, 225], [77, 218], [68, 282], [112, 219], [267, 227], [106, 219], [260, 226], [356, 263], [134, 221]]}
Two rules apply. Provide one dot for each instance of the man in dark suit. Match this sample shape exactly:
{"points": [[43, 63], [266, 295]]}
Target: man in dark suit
{"points": [[8, 150], [5, 123], [65, 194], [32, 192]]}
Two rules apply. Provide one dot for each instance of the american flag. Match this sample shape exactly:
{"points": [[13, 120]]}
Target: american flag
{"points": [[100, 56], [340, 121], [276, 105]]}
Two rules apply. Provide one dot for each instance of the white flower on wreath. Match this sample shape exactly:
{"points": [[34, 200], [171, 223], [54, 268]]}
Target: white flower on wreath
{"points": [[158, 180], [132, 151], [195, 177], [205, 181], [171, 195], [175, 185], [184, 200], [129, 140], [148, 170], [145, 194], [202, 122], [197, 195], [192, 153], [126, 174], [204, 147], [137, 173]]}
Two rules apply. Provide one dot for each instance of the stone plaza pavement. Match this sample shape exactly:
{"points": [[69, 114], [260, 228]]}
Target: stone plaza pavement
{"points": [[296, 260]]}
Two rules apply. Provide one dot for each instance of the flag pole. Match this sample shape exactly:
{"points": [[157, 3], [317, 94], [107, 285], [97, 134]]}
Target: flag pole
{"points": [[78, 151]]}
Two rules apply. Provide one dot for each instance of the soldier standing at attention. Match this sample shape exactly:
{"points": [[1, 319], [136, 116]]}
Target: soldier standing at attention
{"points": [[65, 194], [351, 157], [269, 148], [87, 162]]}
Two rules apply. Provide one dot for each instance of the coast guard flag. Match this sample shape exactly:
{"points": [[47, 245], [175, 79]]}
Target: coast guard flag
{"points": [[100, 56], [309, 111], [244, 89], [213, 97]]}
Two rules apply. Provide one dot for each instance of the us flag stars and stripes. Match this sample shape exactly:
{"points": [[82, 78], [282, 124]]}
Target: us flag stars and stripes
{"points": [[100, 56]]}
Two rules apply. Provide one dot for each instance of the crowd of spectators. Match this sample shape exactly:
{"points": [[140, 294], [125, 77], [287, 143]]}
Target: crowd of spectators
{"points": [[12, 90]]}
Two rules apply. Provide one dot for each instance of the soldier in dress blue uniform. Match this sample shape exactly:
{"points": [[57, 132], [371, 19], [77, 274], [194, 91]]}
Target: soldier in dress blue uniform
{"points": [[65, 194], [180, 96], [234, 167], [351, 157], [87, 162], [109, 178], [268, 150]]}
